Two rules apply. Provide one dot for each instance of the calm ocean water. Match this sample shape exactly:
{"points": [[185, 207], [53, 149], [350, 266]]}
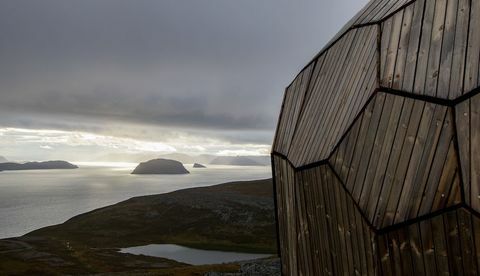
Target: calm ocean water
{"points": [[33, 199]]}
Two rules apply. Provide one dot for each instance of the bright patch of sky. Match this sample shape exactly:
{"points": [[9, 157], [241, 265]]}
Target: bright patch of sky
{"points": [[43, 144]]}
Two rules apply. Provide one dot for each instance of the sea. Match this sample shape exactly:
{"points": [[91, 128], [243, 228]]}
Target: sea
{"points": [[30, 200]]}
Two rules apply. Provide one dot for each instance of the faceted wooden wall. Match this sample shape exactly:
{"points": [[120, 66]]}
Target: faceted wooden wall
{"points": [[376, 158]]}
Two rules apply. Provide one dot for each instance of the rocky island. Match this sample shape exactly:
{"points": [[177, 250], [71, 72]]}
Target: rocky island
{"points": [[47, 165], [160, 166], [198, 165]]}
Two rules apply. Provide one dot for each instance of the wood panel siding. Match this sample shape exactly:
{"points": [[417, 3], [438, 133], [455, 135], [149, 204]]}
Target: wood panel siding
{"points": [[402, 164], [376, 158], [338, 90], [425, 45], [292, 104]]}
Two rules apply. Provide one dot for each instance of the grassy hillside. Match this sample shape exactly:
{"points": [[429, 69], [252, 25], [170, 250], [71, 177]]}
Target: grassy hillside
{"points": [[233, 216]]}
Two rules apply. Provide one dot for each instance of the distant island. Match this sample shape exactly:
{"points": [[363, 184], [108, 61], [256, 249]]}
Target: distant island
{"points": [[235, 161], [198, 165], [160, 166], [3, 159], [47, 165]]}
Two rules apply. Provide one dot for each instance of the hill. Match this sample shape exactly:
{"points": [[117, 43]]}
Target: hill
{"points": [[47, 165], [232, 216], [160, 166]]}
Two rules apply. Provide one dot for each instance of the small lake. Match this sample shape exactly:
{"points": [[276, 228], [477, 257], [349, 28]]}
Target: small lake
{"points": [[190, 255]]}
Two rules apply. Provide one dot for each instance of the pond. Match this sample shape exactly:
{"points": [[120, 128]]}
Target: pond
{"points": [[190, 255]]}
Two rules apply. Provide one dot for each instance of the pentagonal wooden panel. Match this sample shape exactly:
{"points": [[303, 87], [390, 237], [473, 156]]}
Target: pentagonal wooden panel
{"points": [[333, 237], [292, 104], [468, 133], [286, 210], [374, 11], [427, 48], [441, 245], [340, 86], [399, 161]]}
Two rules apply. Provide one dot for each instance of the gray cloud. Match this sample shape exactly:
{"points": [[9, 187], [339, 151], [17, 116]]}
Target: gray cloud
{"points": [[215, 66]]}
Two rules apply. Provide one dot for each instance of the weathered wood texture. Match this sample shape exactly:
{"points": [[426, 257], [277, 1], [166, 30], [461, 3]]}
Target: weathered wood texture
{"points": [[376, 156], [424, 48], [443, 245], [398, 161], [292, 104], [468, 133], [343, 79], [321, 230]]}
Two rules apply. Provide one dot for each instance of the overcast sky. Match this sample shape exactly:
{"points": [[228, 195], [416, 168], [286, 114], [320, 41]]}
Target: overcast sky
{"points": [[198, 76]]}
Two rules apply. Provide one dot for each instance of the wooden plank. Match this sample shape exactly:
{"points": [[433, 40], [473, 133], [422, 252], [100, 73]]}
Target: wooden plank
{"points": [[368, 145], [455, 196], [413, 47], [371, 11], [402, 166], [372, 188], [375, 199], [300, 91], [462, 116], [313, 200], [331, 108], [344, 225], [365, 83], [440, 245], [416, 250], [403, 43], [335, 245], [353, 234], [428, 248], [475, 152], [389, 186], [347, 93], [435, 48], [441, 195], [436, 146], [350, 149], [326, 93], [423, 53], [319, 100], [302, 239], [448, 48], [388, 69], [467, 243], [473, 49], [410, 186], [386, 29], [340, 105], [323, 218], [395, 255], [405, 251], [453, 245], [390, 8], [476, 236], [459, 51], [371, 255], [384, 255]]}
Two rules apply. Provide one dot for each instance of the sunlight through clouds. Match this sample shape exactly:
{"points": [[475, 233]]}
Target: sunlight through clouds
{"points": [[23, 144]]}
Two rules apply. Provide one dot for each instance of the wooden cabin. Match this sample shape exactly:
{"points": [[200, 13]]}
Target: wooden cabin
{"points": [[376, 157]]}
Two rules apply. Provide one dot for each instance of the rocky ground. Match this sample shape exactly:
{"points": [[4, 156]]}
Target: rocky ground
{"points": [[261, 267]]}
